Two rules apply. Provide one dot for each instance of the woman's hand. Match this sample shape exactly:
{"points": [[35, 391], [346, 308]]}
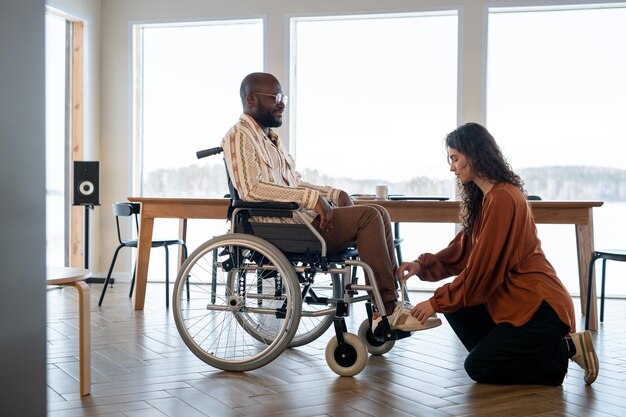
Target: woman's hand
{"points": [[423, 311], [407, 270]]}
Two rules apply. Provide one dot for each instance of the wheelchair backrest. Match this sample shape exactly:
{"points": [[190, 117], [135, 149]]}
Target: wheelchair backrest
{"points": [[294, 239]]}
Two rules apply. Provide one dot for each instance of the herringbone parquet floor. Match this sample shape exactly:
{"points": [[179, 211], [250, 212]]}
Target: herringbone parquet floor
{"points": [[141, 368]]}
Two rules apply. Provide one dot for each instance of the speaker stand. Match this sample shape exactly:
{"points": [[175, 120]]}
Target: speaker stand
{"points": [[86, 239], [90, 280]]}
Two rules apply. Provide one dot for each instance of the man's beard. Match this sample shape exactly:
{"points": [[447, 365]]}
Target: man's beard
{"points": [[267, 119]]}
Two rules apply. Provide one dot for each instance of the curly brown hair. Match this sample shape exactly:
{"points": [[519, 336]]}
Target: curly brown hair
{"points": [[486, 160]]}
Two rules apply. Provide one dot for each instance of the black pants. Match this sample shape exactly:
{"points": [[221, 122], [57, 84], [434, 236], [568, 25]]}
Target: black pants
{"points": [[534, 353]]}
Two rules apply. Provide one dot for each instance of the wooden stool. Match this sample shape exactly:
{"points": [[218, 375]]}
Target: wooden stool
{"points": [[76, 277]]}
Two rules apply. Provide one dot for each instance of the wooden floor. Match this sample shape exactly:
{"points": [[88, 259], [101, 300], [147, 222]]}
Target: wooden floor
{"points": [[141, 368]]}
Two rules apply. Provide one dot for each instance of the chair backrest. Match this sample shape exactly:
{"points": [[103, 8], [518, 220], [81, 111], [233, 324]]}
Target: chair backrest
{"points": [[125, 209]]}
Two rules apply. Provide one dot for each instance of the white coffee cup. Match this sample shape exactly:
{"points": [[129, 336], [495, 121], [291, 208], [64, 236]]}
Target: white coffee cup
{"points": [[382, 192]]}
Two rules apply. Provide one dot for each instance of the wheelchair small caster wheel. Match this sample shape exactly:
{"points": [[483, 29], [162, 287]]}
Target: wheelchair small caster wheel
{"points": [[374, 346], [348, 358]]}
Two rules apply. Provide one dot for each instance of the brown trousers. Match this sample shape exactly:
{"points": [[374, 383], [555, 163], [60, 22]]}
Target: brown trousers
{"points": [[370, 228]]}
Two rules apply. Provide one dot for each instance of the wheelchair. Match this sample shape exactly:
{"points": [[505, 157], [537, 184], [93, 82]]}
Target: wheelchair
{"points": [[242, 298]]}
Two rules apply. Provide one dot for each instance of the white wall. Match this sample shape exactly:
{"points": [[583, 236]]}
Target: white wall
{"points": [[116, 95]]}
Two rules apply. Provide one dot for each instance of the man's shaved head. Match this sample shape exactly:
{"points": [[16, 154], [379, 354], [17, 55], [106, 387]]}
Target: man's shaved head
{"points": [[255, 82]]}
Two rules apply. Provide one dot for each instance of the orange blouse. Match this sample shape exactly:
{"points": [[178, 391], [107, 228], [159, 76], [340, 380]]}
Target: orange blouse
{"points": [[500, 265]]}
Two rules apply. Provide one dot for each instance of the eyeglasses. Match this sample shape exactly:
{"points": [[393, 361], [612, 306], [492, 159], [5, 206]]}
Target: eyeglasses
{"points": [[280, 97]]}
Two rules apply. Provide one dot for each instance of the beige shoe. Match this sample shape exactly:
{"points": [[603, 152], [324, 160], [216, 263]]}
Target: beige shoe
{"points": [[585, 355], [401, 319]]}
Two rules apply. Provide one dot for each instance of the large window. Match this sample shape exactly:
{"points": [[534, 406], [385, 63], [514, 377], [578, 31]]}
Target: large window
{"points": [[556, 100], [189, 91], [64, 137], [373, 97], [57, 139], [188, 97], [379, 90]]}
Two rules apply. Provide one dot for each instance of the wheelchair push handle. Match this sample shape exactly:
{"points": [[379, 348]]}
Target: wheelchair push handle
{"points": [[209, 152]]}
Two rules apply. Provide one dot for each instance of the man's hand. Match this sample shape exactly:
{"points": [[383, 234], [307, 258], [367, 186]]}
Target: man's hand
{"points": [[407, 270], [344, 199], [325, 212]]}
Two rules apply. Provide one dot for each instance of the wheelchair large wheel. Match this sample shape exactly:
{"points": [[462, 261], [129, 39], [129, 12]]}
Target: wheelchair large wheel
{"points": [[318, 293], [244, 303]]}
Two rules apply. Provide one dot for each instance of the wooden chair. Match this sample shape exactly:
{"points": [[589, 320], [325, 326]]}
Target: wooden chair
{"points": [[605, 254], [126, 209], [75, 277]]}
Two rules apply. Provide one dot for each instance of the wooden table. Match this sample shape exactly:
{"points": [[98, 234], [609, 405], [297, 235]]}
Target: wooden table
{"points": [[75, 277], [577, 213]]}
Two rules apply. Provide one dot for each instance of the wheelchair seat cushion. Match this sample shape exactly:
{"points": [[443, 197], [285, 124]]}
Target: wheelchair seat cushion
{"points": [[295, 240]]}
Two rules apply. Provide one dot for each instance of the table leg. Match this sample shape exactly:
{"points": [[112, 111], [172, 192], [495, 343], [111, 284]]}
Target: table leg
{"points": [[143, 257], [84, 308], [182, 235], [584, 246]]}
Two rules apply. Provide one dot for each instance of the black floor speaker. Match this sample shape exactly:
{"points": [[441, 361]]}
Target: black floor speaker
{"points": [[86, 183]]}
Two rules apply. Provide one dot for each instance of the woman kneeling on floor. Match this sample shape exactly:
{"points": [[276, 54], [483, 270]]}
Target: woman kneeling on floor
{"points": [[506, 303]]}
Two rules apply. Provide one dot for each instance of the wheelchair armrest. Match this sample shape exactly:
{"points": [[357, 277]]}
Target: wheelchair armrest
{"points": [[265, 208]]}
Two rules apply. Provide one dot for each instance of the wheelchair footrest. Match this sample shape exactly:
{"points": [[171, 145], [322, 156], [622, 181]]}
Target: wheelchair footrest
{"points": [[322, 301], [281, 313], [382, 335], [401, 334]]}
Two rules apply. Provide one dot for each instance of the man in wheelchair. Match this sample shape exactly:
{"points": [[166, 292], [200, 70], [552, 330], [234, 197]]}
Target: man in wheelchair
{"points": [[261, 170]]}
